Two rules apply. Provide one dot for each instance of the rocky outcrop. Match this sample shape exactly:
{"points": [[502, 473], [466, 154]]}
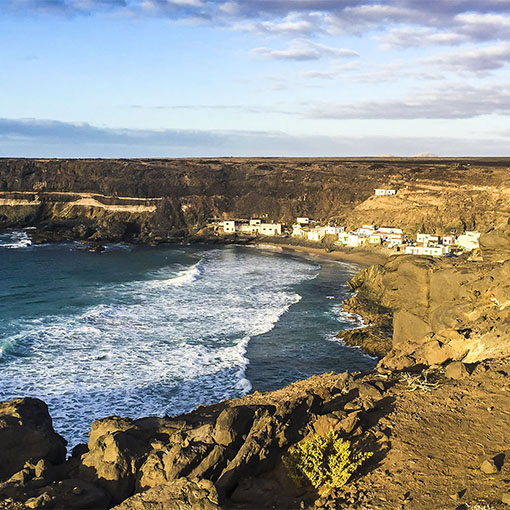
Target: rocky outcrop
{"points": [[163, 200], [27, 436], [441, 310], [228, 453], [495, 245]]}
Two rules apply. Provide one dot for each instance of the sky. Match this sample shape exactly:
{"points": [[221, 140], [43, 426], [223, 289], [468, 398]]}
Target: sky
{"points": [[210, 78]]}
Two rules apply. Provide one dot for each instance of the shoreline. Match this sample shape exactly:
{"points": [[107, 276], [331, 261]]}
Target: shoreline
{"points": [[362, 257]]}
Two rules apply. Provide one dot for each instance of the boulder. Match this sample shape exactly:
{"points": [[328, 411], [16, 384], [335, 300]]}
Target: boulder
{"points": [[27, 434], [231, 424], [114, 456], [489, 467], [180, 494], [369, 391], [433, 353], [456, 370]]}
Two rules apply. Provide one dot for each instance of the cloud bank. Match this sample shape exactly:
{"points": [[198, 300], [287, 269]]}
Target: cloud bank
{"points": [[404, 23], [48, 138]]}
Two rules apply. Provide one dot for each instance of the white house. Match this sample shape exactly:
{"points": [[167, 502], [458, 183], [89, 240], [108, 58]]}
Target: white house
{"points": [[366, 230], [433, 251], [448, 240], [427, 239], [351, 239], [298, 230], [469, 240], [303, 221], [385, 192], [334, 230], [229, 226], [316, 234], [270, 229]]}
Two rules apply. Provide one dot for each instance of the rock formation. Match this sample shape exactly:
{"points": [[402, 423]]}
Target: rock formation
{"points": [[163, 200], [434, 310]]}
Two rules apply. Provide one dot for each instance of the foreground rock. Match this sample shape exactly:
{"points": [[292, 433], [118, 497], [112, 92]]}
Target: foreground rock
{"points": [[418, 426], [27, 435]]}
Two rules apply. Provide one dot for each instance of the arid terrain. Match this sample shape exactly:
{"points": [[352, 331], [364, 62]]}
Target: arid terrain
{"points": [[155, 200], [435, 414]]}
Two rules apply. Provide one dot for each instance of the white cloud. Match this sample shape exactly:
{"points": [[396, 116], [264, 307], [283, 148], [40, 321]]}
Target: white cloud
{"points": [[303, 49], [446, 101]]}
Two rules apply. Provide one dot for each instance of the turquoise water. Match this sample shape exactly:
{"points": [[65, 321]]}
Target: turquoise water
{"points": [[138, 331]]}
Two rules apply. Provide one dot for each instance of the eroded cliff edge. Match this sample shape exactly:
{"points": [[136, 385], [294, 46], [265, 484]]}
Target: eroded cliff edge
{"points": [[161, 200], [429, 311]]}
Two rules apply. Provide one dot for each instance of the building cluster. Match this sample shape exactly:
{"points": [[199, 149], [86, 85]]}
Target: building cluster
{"points": [[253, 226], [367, 235]]}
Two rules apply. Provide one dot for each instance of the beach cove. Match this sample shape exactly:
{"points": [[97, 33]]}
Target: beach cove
{"points": [[140, 331]]}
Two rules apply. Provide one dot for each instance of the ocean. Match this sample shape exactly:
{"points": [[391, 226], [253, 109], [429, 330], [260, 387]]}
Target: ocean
{"points": [[152, 331]]}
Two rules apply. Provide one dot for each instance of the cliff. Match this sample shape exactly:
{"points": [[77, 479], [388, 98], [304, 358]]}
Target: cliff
{"points": [[152, 200], [429, 311]]}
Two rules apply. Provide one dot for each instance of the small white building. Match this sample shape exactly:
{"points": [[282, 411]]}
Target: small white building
{"points": [[229, 226], [427, 239], [469, 241], [303, 221], [334, 230], [298, 230], [448, 240], [385, 192], [351, 239], [432, 251], [366, 230], [316, 234], [270, 229]]}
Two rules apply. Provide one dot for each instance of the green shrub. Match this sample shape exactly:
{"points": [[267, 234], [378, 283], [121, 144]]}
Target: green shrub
{"points": [[324, 461]]}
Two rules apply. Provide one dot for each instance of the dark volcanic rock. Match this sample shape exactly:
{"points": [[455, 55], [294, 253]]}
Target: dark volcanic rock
{"points": [[26, 434]]}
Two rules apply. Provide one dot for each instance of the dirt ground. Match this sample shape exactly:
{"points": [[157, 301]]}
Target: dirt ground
{"points": [[438, 440]]}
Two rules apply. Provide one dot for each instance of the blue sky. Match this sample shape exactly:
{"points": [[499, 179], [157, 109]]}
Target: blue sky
{"points": [[179, 78]]}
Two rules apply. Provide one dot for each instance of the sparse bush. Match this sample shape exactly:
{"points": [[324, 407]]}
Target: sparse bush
{"points": [[326, 461]]}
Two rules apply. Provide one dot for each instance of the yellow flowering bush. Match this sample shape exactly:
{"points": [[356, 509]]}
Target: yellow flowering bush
{"points": [[324, 460]]}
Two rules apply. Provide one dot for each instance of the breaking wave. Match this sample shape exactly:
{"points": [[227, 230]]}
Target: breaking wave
{"points": [[156, 345]]}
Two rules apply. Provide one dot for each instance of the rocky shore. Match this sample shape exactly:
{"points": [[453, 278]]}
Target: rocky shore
{"points": [[437, 441], [434, 416]]}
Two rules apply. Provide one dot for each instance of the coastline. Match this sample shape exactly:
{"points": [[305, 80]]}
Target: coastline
{"points": [[361, 256]]}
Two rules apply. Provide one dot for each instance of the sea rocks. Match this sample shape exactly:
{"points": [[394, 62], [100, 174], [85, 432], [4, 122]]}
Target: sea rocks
{"points": [[26, 434]]}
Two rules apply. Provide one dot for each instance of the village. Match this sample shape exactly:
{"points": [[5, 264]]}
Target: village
{"points": [[391, 238]]}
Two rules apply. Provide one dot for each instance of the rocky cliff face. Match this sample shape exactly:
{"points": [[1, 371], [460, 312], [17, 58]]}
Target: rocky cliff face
{"points": [[439, 310], [435, 195]]}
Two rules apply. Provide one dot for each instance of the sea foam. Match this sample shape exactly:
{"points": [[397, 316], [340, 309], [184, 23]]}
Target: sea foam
{"points": [[157, 345]]}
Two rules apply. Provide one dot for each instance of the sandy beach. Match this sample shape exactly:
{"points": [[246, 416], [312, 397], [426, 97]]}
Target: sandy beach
{"points": [[361, 256]]}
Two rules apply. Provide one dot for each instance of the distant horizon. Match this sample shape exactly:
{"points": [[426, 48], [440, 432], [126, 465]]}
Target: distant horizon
{"points": [[293, 78]]}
